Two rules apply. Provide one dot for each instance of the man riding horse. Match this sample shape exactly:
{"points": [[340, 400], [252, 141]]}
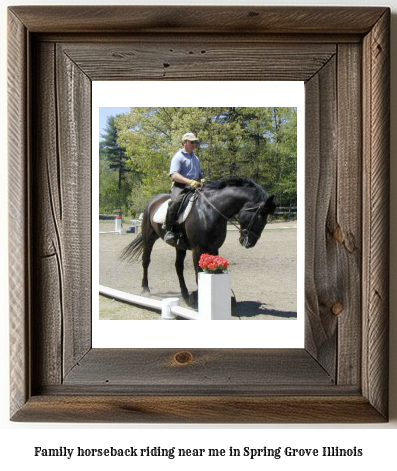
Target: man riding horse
{"points": [[204, 231], [186, 173]]}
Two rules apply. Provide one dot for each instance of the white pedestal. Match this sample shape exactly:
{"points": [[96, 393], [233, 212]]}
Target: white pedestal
{"points": [[117, 225], [214, 296]]}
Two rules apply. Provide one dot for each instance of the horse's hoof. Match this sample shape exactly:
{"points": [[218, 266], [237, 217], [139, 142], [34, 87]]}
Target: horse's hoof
{"points": [[193, 299]]}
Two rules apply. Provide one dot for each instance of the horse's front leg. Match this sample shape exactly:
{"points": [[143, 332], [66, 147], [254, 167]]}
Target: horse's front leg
{"points": [[196, 254], [179, 265]]}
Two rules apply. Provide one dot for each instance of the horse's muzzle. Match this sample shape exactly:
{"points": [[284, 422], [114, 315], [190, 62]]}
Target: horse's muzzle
{"points": [[248, 239], [246, 242]]}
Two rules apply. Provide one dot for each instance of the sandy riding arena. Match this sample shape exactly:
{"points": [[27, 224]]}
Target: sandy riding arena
{"points": [[263, 278]]}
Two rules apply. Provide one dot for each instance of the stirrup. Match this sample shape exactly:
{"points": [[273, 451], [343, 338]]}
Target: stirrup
{"points": [[170, 237]]}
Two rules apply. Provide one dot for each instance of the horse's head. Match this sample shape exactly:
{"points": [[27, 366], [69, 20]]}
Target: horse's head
{"points": [[253, 219]]}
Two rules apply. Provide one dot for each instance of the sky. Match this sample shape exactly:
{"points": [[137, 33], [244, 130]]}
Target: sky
{"points": [[105, 112]]}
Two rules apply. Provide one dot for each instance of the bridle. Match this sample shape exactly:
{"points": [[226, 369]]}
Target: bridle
{"points": [[248, 231], [244, 232]]}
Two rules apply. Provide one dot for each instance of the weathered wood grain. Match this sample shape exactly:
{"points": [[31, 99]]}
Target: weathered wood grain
{"points": [[251, 370], [199, 409], [341, 375], [19, 201], [227, 57], [376, 142], [321, 278], [199, 19], [333, 215], [74, 146], [347, 226], [62, 257], [156, 39], [47, 316]]}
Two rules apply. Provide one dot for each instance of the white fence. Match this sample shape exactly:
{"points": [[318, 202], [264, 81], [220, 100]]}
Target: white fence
{"points": [[117, 226], [214, 300]]}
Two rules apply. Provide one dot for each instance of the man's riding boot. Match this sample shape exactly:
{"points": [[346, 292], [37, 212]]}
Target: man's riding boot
{"points": [[170, 238], [172, 213]]}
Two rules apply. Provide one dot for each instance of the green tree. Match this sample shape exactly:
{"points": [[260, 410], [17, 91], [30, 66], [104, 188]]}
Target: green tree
{"points": [[110, 149], [284, 155], [115, 178], [257, 143]]}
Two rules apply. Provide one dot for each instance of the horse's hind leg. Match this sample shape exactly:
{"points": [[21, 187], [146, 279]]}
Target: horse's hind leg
{"points": [[147, 250], [179, 265]]}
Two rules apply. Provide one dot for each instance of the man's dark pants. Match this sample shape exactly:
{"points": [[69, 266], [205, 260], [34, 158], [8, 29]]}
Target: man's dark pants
{"points": [[178, 191]]}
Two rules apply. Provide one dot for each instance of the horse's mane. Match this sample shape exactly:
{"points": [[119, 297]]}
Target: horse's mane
{"points": [[234, 182]]}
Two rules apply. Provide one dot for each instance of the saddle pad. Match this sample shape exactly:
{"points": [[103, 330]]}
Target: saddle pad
{"points": [[161, 213]]}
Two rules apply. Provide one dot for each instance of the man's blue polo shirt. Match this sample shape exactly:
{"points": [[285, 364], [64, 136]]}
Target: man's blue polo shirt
{"points": [[186, 164]]}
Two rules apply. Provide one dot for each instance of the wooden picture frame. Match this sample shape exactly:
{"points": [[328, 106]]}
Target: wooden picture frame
{"points": [[342, 54]]}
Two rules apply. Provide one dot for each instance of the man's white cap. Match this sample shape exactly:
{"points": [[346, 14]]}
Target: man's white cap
{"points": [[189, 136]]}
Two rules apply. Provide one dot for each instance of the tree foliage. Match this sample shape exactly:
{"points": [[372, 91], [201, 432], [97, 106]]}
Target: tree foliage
{"points": [[115, 177], [256, 143]]}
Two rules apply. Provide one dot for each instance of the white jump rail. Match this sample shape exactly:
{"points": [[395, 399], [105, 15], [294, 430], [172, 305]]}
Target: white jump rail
{"points": [[214, 301], [169, 307]]}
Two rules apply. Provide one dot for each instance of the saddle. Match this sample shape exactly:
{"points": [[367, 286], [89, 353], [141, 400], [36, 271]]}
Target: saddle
{"points": [[183, 212]]}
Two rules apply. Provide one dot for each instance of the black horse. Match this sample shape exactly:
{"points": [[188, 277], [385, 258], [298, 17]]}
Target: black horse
{"points": [[204, 230]]}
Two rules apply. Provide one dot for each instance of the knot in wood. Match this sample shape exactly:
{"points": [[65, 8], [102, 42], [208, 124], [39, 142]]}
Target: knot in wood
{"points": [[337, 308], [183, 358], [338, 235]]}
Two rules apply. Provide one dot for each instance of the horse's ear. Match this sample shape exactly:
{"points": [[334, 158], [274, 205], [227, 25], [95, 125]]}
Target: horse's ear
{"points": [[270, 205]]}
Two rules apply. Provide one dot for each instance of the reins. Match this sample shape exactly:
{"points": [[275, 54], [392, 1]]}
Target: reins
{"points": [[242, 231], [200, 192]]}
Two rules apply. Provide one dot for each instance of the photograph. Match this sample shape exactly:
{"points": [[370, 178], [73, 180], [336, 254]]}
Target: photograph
{"points": [[208, 194], [195, 211]]}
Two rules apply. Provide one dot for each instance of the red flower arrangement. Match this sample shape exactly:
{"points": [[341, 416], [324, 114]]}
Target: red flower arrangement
{"points": [[213, 263]]}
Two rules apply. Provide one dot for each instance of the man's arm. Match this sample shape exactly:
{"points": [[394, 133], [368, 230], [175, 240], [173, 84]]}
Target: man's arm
{"points": [[178, 177], [186, 181]]}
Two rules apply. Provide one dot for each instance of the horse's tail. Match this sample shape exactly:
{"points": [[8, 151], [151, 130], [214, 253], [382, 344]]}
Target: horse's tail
{"points": [[134, 250]]}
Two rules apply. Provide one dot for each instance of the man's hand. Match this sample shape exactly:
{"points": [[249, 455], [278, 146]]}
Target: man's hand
{"points": [[195, 184]]}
